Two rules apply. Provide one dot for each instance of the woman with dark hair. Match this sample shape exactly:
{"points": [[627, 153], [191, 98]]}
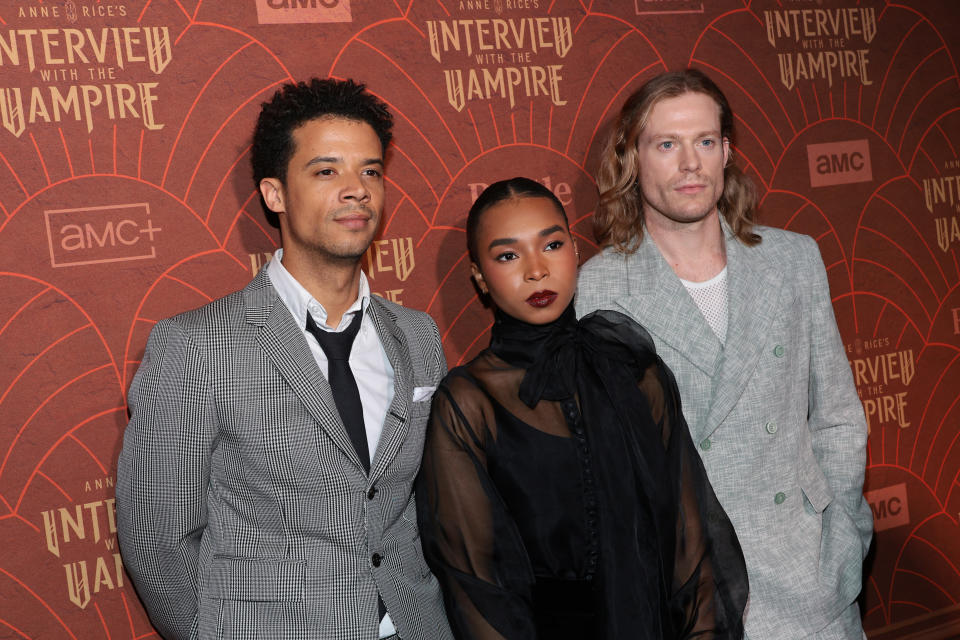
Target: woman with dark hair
{"points": [[560, 495]]}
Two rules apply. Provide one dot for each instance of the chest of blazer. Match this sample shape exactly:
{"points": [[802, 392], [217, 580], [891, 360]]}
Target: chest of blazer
{"points": [[747, 404]]}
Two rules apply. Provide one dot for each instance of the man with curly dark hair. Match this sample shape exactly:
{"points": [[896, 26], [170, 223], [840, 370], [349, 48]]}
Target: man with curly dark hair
{"points": [[264, 486], [273, 143]]}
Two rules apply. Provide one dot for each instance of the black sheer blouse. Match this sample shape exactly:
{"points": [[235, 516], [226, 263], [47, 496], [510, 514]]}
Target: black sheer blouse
{"points": [[560, 494]]}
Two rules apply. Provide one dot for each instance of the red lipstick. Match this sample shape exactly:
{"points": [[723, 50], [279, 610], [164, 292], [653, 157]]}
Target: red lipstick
{"points": [[542, 299]]}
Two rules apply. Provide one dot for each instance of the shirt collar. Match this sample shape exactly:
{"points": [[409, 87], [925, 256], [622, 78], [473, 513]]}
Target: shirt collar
{"points": [[299, 301]]}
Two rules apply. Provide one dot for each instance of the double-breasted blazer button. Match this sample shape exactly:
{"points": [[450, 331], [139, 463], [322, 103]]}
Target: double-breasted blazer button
{"points": [[375, 559], [705, 444], [372, 493], [780, 497], [778, 351], [771, 427]]}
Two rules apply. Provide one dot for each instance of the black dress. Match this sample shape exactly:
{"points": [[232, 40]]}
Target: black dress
{"points": [[560, 494]]}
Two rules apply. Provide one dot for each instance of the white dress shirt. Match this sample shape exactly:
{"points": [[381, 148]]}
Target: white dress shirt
{"points": [[368, 360]]}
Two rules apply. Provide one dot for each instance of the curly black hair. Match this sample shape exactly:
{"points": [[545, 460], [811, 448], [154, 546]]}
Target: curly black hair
{"points": [[296, 103]]}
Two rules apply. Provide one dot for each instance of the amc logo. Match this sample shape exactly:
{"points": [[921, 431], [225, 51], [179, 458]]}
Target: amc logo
{"points": [[94, 235], [889, 507], [299, 11], [839, 163]]}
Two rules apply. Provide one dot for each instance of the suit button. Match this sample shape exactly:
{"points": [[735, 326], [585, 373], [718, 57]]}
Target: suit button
{"points": [[372, 493], [705, 444], [375, 559], [780, 497], [778, 351], [771, 427]]}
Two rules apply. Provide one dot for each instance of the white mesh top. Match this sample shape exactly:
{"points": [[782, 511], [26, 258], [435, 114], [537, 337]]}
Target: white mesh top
{"points": [[711, 296]]}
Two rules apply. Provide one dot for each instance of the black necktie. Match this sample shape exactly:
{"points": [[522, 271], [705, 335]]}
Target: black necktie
{"points": [[345, 393], [337, 346]]}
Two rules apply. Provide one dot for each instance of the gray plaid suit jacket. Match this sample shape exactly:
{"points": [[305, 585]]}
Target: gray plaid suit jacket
{"points": [[243, 510], [775, 414]]}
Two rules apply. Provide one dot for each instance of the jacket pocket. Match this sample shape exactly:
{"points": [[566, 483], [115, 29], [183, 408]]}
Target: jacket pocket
{"points": [[256, 579], [420, 409], [813, 483]]}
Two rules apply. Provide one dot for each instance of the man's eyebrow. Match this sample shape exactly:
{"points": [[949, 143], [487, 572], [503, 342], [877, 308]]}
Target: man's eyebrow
{"points": [[321, 160], [706, 132], [335, 159]]}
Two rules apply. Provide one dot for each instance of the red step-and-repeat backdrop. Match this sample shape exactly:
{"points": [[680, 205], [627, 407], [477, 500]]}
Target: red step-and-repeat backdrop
{"points": [[125, 197]]}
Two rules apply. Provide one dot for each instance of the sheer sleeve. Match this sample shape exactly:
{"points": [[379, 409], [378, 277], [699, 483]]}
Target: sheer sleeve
{"points": [[709, 581], [469, 540]]}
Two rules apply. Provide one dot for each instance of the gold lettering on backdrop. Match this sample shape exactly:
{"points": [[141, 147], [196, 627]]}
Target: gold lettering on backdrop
{"points": [[79, 103], [882, 379], [948, 231], [504, 82], [941, 190], [885, 368], [90, 60], [72, 530], [98, 484], [89, 521], [38, 12], [809, 65], [109, 46], [501, 56], [108, 574], [822, 44], [498, 5], [257, 260], [941, 195], [843, 22], [394, 255], [500, 34]]}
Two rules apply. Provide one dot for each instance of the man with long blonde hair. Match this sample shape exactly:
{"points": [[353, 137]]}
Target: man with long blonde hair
{"points": [[742, 315]]}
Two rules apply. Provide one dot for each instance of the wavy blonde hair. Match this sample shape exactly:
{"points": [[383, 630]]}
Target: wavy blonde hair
{"points": [[618, 221]]}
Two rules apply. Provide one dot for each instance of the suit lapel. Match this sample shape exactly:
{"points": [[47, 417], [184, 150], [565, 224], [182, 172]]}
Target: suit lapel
{"points": [[754, 287], [659, 301], [284, 343], [395, 425]]}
